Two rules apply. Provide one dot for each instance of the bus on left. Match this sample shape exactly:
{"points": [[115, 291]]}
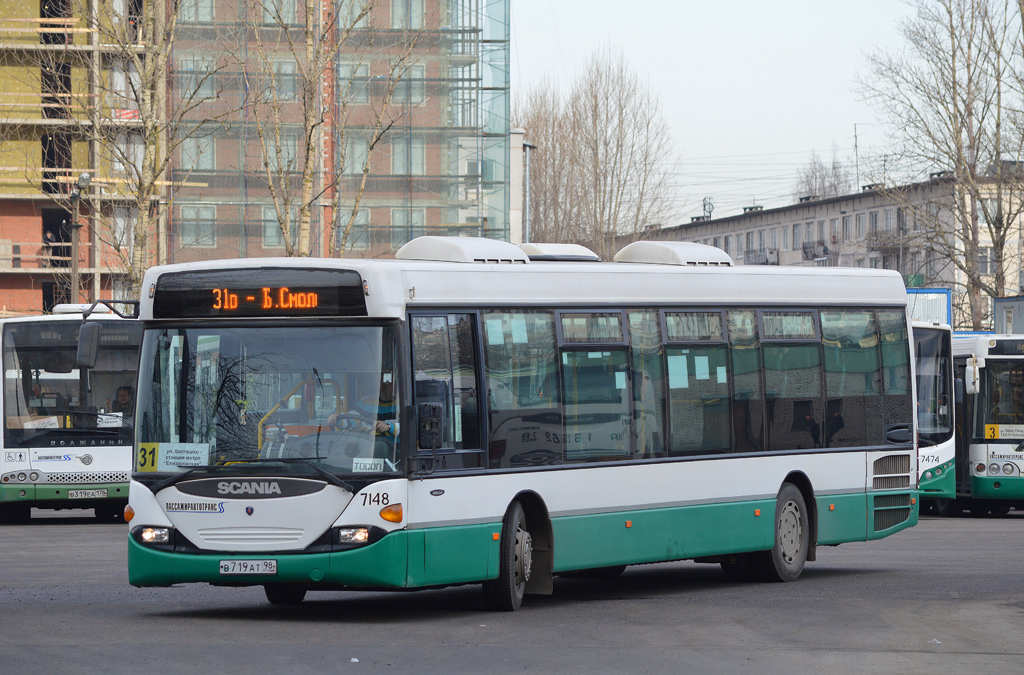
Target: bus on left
{"points": [[67, 416]]}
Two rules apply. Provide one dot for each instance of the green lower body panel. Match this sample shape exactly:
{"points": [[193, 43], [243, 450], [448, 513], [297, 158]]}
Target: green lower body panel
{"points": [[1010, 487], [939, 483], [52, 494], [624, 538], [380, 565], [842, 518]]}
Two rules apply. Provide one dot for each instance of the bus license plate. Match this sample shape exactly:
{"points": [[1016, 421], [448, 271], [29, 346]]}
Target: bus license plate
{"points": [[86, 494], [248, 567]]}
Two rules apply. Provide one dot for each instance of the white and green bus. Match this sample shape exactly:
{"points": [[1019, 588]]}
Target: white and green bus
{"points": [[67, 441], [477, 412], [933, 357], [990, 424]]}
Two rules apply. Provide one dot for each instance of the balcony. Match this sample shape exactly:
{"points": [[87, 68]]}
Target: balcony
{"points": [[767, 257]]}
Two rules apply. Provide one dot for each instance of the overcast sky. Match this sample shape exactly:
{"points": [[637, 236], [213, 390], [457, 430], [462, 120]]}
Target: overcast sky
{"points": [[749, 88]]}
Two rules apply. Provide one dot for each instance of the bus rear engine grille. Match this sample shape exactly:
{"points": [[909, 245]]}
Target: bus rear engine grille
{"points": [[269, 536], [94, 477], [892, 464]]}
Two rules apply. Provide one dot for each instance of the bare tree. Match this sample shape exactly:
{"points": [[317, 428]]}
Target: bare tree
{"points": [[301, 96], [599, 176], [823, 181], [954, 98], [114, 119]]}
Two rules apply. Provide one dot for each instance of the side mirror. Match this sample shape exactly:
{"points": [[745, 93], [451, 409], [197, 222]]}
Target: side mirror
{"points": [[900, 435], [88, 344], [958, 391], [971, 376], [430, 416]]}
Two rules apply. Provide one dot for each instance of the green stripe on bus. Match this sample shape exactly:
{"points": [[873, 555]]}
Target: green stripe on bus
{"points": [[11, 493], [1007, 487]]}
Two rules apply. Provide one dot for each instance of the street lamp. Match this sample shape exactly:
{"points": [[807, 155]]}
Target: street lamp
{"points": [[76, 196], [526, 216]]}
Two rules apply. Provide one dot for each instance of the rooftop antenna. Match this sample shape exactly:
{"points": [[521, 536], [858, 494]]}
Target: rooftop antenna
{"points": [[709, 207]]}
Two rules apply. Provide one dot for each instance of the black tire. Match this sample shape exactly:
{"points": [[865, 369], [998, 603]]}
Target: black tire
{"points": [[1000, 509], [785, 561], [948, 508], [738, 568], [515, 563], [979, 508], [110, 513], [285, 594], [15, 513]]}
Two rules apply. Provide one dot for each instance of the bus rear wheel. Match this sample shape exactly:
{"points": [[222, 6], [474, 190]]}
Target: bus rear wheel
{"points": [[1000, 509], [285, 594], [516, 563], [785, 561]]}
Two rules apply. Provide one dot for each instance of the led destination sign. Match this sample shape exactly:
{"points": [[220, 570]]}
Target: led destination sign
{"points": [[259, 292]]}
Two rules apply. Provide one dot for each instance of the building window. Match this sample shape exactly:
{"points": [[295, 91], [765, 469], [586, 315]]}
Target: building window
{"points": [[989, 212], [196, 225], [833, 231], [407, 13], [127, 154], [873, 223], [785, 237], [196, 78], [408, 157], [195, 11], [198, 153], [760, 240], [717, 242], [750, 242], [739, 245], [773, 239], [355, 13], [410, 89], [888, 221], [279, 12], [272, 235], [821, 230], [986, 260], [797, 229], [359, 234], [846, 228], [289, 147], [357, 151], [809, 233], [860, 227], [285, 80], [728, 243], [354, 82], [406, 225]]}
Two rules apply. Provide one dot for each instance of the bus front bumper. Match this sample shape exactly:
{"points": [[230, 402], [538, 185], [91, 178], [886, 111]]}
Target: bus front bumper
{"points": [[383, 564], [62, 496]]}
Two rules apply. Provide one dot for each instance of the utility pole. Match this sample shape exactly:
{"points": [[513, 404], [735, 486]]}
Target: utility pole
{"points": [[76, 198], [526, 215]]}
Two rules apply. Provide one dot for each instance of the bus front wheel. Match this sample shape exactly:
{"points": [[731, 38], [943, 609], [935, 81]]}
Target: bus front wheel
{"points": [[785, 561], [285, 594], [948, 508], [515, 563]]}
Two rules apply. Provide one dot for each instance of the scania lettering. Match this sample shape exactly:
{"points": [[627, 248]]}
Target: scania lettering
{"points": [[478, 412], [67, 436]]}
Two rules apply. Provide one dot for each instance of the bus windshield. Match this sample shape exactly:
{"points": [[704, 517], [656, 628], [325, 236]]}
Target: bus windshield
{"points": [[313, 397], [48, 396], [934, 388], [1001, 401]]}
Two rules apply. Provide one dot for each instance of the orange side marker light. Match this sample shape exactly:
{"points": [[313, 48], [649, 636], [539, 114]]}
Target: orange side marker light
{"points": [[629, 523], [831, 507], [757, 513], [495, 536]]}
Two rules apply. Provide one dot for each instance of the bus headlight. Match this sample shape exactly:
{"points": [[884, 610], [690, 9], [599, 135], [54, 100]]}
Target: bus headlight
{"points": [[353, 536], [928, 475], [155, 535], [993, 469], [22, 477], [1008, 469], [34, 476], [938, 471]]}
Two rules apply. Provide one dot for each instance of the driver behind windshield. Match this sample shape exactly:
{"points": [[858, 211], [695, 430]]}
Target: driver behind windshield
{"points": [[374, 404]]}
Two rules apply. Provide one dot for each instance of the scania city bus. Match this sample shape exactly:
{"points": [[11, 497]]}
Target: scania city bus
{"points": [[473, 412], [990, 424], [67, 437]]}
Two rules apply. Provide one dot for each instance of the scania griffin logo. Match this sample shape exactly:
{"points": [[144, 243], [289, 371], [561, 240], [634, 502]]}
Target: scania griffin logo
{"points": [[85, 459], [248, 488]]}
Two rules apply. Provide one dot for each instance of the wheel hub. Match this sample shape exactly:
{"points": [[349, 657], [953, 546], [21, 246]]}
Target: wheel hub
{"points": [[790, 532], [524, 556]]}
